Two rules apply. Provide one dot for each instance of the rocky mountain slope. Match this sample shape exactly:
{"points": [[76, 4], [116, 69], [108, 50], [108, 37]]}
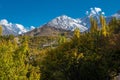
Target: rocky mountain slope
{"points": [[66, 23], [48, 31]]}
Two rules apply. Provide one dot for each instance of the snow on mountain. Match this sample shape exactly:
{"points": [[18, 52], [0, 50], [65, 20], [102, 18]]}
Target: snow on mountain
{"points": [[117, 15], [67, 23], [10, 28], [32, 27], [83, 24], [61, 22], [95, 13]]}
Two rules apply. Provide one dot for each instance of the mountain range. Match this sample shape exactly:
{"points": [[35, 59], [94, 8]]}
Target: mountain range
{"points": [[10, 28], [61, 23]]}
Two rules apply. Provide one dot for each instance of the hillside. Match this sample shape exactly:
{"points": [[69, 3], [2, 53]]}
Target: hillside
{"points": [[48, 31], [93, 55]]}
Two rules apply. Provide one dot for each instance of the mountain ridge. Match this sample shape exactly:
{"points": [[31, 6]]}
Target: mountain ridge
{"points": [[10, 28], [63, 22]]}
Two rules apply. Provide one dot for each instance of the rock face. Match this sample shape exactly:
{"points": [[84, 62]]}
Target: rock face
{"points": [[48, 31], [66, 23]]}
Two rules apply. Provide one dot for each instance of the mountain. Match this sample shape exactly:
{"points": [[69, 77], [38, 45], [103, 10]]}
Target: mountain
{"points": [[46, 30], [95, 13], [10, 28], [66, 23], [58, 24], [117, 15]]}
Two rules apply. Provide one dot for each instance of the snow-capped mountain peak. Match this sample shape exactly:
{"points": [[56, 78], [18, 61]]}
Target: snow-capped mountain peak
{"points": [[4, 22], [95, 12], [61, 22], [10, 28], [117, 14], [67, 23], [63, 17]]}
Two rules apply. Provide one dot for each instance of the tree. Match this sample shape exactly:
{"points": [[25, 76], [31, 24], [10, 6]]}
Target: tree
{"points": [[77, 33], [62, 39], [114, 25], [0, 30], [104, 26], [94, 26], [14, 61]]}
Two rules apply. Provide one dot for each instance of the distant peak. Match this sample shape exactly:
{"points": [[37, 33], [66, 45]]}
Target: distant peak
{"points": [[66, 23], [3, 21], [94, 12], [12, 28], [64, 16], [118, 12]]}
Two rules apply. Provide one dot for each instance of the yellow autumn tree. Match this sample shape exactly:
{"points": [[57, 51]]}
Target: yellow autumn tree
{"points": [[104, 29], [0, 30], [77, 33], [94, 26]]}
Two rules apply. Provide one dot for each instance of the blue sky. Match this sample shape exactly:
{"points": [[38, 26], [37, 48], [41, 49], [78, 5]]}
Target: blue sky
{"points": [[38, 12]]}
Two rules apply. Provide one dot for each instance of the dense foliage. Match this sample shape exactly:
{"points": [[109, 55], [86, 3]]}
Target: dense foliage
{"points": [[93, 55], [14, 60]]}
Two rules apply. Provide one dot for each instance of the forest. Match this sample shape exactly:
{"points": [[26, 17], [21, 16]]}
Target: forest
{"points": [[91, 55]]}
